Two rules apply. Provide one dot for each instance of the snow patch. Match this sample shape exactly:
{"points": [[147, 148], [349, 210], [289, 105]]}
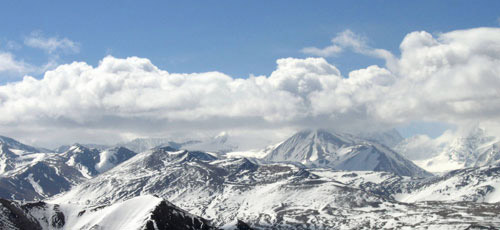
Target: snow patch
{"points": [[129, 214], [35, 184]]}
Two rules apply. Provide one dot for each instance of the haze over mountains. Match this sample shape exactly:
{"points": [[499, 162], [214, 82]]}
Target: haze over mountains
{"points": [[354, 178]]}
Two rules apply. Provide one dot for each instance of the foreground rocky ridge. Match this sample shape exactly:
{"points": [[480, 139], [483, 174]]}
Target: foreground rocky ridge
{"points": [[143, 212]]}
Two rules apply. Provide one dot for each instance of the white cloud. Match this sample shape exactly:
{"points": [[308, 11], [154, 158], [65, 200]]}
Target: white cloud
{"points": [[343, 40], [349, 40], [51, 44], [451, 77], [8, 63], [324, 52]]}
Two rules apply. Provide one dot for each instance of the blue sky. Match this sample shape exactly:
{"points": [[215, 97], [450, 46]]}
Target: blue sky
{"points": [[235, 37], [240, 39]]}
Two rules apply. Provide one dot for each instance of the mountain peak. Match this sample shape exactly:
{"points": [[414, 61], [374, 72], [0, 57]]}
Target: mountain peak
{"points": [[321, 148], [11, 143]]}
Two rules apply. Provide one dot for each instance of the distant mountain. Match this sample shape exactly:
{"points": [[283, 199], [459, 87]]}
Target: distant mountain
{"points": [[27, 175], [320, 148], [218, 144], [64, 148], [472, 149], [91, 162], [140, 145], [13, 144]]}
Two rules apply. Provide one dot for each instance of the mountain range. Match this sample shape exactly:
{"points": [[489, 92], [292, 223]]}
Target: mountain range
{"points": [[316, 179]]}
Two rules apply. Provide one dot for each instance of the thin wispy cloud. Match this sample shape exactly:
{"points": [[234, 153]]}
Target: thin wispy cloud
{"points": [[51, 44], [348, 40], [343, 40], [13, 45], [9, 64], [328, 51]]}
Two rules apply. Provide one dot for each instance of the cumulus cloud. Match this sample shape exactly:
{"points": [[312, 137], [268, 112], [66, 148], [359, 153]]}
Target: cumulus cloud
{"points": [[51, 44], [451, 77]]}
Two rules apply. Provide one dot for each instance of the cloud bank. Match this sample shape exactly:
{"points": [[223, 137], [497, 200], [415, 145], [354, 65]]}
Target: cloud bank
{"points": [[450, 77]]}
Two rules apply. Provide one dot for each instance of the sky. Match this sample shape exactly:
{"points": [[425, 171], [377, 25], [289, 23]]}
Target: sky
{"points": [[108, 71]]}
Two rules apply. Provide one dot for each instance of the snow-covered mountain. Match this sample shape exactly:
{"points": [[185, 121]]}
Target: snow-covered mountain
{"points": [[477, 184], [13, 144], [220, 143], [91, 162], [138, 213], [320, 148], [473, 148], [272, 196], [117, 188], [220, 190], [140, 145], [27, 175]]}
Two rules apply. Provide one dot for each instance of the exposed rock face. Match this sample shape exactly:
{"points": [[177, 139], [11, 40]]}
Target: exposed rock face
{"points": [[12, 216], [166, 216]]}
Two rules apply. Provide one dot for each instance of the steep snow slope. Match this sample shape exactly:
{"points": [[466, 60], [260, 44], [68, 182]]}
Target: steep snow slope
{"points": [[109, 158], [142, 212], [320, 148]]}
